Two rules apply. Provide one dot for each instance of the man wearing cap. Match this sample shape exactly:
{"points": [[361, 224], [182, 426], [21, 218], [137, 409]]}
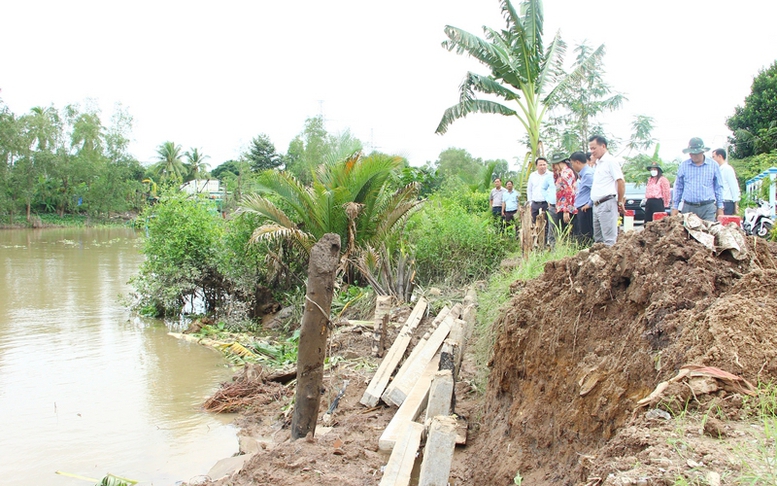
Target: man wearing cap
{"points": [[607, 191], [731, 192], [583, 222], [699, 184]]}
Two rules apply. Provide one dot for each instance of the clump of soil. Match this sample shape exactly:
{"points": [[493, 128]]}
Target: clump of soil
{"points": [[577, 348]]}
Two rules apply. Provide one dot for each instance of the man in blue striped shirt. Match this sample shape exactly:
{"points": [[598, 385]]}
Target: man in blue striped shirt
{"points": [[699, 184]]}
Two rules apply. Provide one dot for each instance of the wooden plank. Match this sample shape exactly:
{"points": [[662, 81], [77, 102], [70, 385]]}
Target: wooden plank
{"points": [[393, 356], [440, 394], [419, 346], [380, 321], [438, 452], [401, 387], [410, 409], [400, 464]]}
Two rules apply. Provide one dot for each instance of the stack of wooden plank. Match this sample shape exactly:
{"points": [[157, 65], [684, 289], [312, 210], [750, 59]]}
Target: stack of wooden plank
{"points": [[423, 381]]}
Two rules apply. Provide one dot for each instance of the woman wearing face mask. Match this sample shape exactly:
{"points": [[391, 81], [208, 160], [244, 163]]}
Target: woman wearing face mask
{"points": [[657, 192]]}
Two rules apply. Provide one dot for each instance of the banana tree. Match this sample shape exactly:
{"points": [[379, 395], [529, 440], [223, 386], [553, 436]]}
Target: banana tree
{"points": [[523, 72]]}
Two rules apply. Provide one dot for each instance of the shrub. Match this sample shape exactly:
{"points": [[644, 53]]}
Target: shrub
{"points": [[454, 245], [183, 238]]}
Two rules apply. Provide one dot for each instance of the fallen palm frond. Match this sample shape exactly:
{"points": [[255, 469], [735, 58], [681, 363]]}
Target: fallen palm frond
{"points": [[237, 349]]}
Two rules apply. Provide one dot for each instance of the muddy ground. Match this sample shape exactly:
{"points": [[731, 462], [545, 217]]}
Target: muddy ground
{"points": [[576, 350]]}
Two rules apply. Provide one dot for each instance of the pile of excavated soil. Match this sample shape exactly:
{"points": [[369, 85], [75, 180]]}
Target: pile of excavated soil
{"points": [[577, 348]]}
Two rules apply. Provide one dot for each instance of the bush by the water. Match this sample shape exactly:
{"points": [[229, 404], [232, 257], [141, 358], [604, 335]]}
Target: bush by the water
{"points": [[182, 248]]}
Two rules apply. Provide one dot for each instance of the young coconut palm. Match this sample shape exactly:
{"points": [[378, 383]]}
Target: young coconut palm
{"points": [[348, 197], [522, 71], [170, 167]]}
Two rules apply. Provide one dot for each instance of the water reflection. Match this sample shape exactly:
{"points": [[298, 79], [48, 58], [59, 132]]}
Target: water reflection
{"points": [[85, 388]]}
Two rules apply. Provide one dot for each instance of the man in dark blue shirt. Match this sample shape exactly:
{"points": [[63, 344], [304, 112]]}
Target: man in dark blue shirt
{"points": [[583, 222]]}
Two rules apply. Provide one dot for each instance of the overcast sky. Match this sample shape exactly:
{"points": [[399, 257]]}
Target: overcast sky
{"points": [[213, 75]]}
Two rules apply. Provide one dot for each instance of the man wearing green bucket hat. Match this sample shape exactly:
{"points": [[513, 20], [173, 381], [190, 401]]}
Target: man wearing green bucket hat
{"points": [[699, 184]]}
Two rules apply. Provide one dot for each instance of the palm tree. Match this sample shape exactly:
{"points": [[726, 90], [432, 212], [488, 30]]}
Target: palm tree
{"points": [[44, 127], [349, 197], [170, 168], [523, 72], [196, 162]]}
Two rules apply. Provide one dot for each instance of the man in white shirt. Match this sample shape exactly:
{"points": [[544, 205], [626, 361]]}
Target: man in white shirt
{"points": [[534, 193], [607, 191], [731, 192]]}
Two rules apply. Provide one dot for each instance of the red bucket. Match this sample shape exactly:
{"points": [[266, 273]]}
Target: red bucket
{"points": [[659, 215], [726, 220]]}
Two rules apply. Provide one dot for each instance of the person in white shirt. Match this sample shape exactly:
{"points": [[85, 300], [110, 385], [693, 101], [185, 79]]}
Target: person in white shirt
{"points": [[607, 191], [731, 192], [534, 193]]}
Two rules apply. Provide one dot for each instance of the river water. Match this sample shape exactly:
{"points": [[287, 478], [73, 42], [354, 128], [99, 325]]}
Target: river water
{"points": [[87, 388]]}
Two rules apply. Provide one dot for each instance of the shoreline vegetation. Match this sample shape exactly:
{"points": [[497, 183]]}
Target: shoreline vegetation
{"points": [[53, 220]]}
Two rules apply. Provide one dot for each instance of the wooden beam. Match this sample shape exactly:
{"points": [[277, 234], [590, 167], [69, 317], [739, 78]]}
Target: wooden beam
{"points": [[400, 464], [444, 312], [410, 409], [438, 452], [380, 322], [440, 394], [401, 387], [393, 356]]}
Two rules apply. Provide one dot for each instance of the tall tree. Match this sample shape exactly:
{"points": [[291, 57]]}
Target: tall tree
{"points": [[458, 163], [308, 150], [170, 167], [755, 124], [261, 154], [577, 103], [522, 71], [195, 161]]}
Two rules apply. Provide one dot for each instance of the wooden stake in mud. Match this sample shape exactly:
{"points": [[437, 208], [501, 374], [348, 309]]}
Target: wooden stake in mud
{"points": [[314, 332]]}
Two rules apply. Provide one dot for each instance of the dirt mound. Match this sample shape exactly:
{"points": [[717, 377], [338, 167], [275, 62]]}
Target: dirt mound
{"points": [[577, 348]]}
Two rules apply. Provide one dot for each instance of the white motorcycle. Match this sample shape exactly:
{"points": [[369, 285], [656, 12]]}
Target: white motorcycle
{"points": [[758, 221]]}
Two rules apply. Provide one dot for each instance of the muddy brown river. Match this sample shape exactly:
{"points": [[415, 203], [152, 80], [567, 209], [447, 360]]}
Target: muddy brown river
{"points": [[86, 387]]}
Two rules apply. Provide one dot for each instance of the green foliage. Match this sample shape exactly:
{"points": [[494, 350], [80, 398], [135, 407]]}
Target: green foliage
{"points": [[261, 154], [454, 245], [195, 163], [458, 164], [170, 168], [750, 167], [634, 170], [577, 104], [66, 162], [184, 238], [523, 72], [349, 197], [755, 124]]}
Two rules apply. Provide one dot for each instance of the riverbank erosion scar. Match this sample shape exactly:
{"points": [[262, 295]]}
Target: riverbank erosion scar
{"points": [[578, 347]]}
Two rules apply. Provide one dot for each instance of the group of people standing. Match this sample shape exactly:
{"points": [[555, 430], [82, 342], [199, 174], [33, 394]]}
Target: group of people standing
{"points": [[587, 191]]}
